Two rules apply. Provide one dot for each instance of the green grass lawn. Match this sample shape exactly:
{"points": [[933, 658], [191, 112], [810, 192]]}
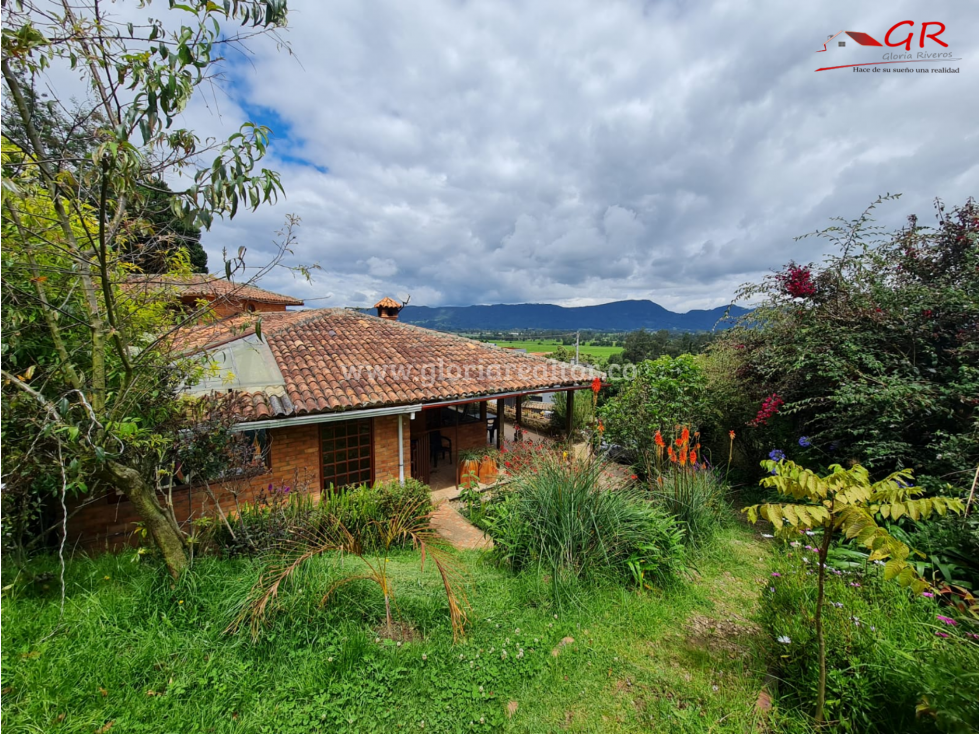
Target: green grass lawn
{"points": [[135, 651], [549, 345]]}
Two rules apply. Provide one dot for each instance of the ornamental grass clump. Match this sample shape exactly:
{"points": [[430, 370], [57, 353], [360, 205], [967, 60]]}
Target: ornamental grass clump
{"points": [[571, 521]]}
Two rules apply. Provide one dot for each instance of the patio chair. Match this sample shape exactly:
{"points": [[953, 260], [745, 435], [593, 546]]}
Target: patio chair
{"points": [[439, 445]]}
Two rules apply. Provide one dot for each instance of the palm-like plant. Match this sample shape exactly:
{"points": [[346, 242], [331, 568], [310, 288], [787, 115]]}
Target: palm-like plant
{"points": [[332, 536], [846, 501]]}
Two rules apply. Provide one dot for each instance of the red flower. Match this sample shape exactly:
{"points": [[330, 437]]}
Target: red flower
{"points": [[769, 408], [633, 477], [658, 439], [796, 281], [596, 385]]}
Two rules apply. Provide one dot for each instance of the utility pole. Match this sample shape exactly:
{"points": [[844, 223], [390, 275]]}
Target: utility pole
{"points": [[577, 336]]}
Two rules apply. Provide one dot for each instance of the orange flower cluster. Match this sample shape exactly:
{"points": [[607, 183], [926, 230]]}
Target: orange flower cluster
{"points": [[685, 454]]}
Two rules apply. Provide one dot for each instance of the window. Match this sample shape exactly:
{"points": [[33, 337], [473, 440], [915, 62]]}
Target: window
{"points": [[347, 453]]}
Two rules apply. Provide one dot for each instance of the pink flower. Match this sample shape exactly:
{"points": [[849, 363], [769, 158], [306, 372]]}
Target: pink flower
{"points": [[941, 634], [928, 594], [946, 620], [776, 574]]}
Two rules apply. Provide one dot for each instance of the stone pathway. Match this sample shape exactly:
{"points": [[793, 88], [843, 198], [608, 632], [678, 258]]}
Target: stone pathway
{"points": [[462, 534]]}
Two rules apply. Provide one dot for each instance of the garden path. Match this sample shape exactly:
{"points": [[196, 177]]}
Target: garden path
{"points": [[452, 526]]}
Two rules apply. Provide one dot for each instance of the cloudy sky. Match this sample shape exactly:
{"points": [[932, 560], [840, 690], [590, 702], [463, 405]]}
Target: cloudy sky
{"points": [[584, 152]]}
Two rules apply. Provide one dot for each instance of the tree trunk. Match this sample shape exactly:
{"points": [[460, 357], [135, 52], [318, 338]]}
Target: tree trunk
{"points": [[143, 496], [821, 578]]}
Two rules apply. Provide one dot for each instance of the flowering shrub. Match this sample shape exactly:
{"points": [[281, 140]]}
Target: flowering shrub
{"points": [[769, 408], [878, 357], [796, 281]]}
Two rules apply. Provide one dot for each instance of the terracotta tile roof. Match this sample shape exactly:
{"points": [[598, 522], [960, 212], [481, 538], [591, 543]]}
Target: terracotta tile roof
{"points": [[212, 288], [387, 302], [336, 360]]}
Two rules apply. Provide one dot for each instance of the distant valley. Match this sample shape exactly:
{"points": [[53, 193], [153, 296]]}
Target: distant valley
{"points": [[607, 317]]}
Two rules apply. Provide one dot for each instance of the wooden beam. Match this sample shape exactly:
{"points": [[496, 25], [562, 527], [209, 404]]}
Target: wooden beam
{"points": [[570, 414], [518, 422], [500, 420]]}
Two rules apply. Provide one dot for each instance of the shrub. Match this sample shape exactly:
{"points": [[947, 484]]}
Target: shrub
{"points": [[279, 514], [666, 392], [559, 519], [874, 352]]}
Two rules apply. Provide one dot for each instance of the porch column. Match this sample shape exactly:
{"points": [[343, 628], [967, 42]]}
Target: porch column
{"points": [[518, 423], [500, 420], [570, 413]]}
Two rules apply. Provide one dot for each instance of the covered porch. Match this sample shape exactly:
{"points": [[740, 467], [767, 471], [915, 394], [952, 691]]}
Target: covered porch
{"points": [[441, 432]]}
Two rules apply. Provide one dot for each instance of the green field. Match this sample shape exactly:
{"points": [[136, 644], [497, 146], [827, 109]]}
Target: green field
{"points": [[549, 345]]}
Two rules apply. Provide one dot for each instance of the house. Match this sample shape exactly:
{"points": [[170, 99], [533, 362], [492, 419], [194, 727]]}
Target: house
{"points": [[224, 297], [862, 39], [337, 397]]}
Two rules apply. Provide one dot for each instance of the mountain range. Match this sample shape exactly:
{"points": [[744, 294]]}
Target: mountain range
{"points": [[617, 316]]}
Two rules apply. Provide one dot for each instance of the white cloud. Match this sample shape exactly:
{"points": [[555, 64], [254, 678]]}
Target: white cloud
{"points": [[581, 152]]}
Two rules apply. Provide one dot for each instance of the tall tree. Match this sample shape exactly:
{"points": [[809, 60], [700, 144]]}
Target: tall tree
{"points": [[87, 369]]}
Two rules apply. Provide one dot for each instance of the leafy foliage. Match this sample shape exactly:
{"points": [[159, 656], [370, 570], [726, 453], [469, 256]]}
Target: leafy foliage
{"points": [[90, 386], [643, 346], [846, 501], [893, 665], [667, 392], [874, 351], [280, 513]]}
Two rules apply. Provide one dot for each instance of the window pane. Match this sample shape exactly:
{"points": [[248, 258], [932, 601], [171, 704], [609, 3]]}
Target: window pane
{"points": [[347, 453]]}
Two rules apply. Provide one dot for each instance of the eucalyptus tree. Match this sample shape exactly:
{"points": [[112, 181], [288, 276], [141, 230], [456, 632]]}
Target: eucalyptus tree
{"points": [[90, 376]]}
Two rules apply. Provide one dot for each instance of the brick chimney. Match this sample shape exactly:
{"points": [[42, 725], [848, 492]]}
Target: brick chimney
{"points": [[388, 308]]}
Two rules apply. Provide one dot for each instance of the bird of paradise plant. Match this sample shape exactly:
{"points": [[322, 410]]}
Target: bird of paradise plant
{"points": [[332, 537]]}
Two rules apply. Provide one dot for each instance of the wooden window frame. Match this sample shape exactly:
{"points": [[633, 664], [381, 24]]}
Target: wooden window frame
{"points": [[324, 484]]}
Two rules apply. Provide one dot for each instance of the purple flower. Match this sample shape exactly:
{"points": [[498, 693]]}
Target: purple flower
{"points": [[776, 455], [940, 634], [776, 574], [804, 442], [928, 594], [946, 620], [854, 584]]}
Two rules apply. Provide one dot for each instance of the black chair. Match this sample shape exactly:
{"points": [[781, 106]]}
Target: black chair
{"points": [[491, 426], [439, 445]]}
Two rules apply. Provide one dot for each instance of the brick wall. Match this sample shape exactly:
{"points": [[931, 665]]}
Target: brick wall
{"points": [[386, 448], [106, 520]]}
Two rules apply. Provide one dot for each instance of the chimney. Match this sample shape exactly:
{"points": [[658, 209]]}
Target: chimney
{"points": [[388, 308]]}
